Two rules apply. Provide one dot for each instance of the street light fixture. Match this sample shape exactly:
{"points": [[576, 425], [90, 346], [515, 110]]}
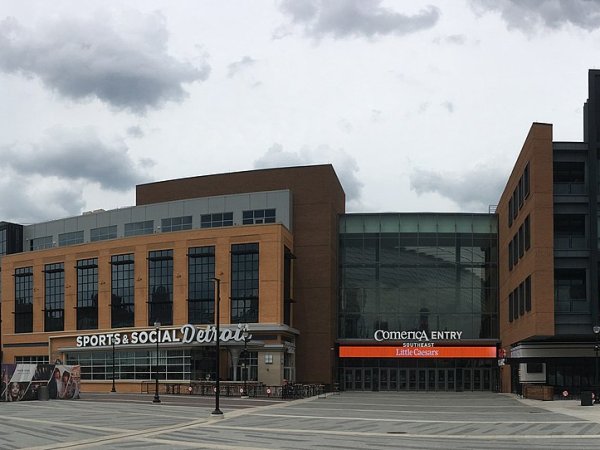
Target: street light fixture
{"points": [[112, 340], [596, 348], [156, 397], [217, 412], [246, 337]]}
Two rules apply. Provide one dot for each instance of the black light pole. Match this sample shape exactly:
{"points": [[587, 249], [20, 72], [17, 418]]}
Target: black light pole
{"points": [[245, 365], [113, 363], [217, 412], [596, 348], [156, 397]]}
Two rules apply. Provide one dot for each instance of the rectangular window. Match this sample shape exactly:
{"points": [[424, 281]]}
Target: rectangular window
{"points": [[570, 289], [527, 234], [160, 287], [244, 283], [216, 220], [521, 299], [24, 300], [258, 216], [75, 237], [103, 233], [516, 249], [41, 243], [41, 359], [201, 292], [569, 224], [510, 255], [139, 228], [521, 240], [54, 297], [528, 294], [526, 181], [521, 190], [569, 172], [510, 212], [287, 286], [87, 294], [515, 200], [516, 303], [122, 291], [3, 241], [176, 224], [510, 307]]}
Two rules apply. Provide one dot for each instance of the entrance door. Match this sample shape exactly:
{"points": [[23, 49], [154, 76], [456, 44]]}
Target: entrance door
{"points": [[402, 380], [450, 379], [412, 379], [384, 379], [394, 380], [368, 380], [468, 379], [422, 380], [358, 379], [477, 379], [441, 380], [431, 377]]}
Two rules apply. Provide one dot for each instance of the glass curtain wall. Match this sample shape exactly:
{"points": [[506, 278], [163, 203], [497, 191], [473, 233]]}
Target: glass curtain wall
{"points": [[418, 272]]}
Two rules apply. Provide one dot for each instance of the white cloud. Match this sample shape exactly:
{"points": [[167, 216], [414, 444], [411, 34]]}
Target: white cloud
{"points": [[345, 165]]}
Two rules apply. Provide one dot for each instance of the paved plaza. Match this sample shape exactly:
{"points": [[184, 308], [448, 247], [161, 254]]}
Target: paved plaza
{"points": [[351, 420]]}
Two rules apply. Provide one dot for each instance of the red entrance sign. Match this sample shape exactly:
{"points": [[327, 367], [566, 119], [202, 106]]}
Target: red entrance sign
{"points": [[416, 352]]}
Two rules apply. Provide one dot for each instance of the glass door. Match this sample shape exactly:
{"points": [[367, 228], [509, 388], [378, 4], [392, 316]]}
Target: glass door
{"points": [[467, 376], [358, 383], [384, 379], [477, 379], [368, 380], [402, 380], [422, 373], [412, 379], [441, 380], [431, 375], [394, 380], [450, 377]]}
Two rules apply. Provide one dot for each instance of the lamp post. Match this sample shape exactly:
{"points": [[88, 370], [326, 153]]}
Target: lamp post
{"points": [[112, 340], [596, 348], [156, 397], [217, 412], [245, 364]]}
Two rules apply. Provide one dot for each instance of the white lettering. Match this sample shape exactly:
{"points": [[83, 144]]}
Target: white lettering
{"points": [[134, 337], [152, 336], [79, 341]]}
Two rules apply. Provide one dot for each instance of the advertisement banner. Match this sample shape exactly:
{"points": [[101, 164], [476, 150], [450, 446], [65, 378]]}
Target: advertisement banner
{"points": [[416, 352], [22, 381]]}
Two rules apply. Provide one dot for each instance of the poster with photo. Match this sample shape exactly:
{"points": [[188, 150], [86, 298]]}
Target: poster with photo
{"points": [[22, 381]]}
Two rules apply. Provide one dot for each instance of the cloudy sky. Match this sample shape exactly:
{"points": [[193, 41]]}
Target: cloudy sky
{"points": [[420, 105]]}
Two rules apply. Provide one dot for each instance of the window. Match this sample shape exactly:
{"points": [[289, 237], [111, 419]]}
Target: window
{"points": [[516, 249], [521, 192], [535, 367], [510, 307], [75, 237], [515, 200], [528, 294], [201, 292], [510, 212], [122, 291], [521, 240], [570, 290], [521, 299], [244, 283], [258, 216], [176, 224], [24, 300], [216, 220], [103, 233], [3, 241], [569, 172], [87, 294], [516, 303], [42, 359], [510, 255], [287, 286], [139, 228], [527, 233], [569, 224], [41, 243], [54, 297], [160, 287], [526, 178]]}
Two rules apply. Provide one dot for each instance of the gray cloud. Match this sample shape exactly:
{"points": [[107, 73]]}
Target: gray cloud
{"points": [[26, 199], [459, 187], [554, 14], [354, 18], [235, 67], [449, 106], [344, 165], [135, 131], [76, 155], [128, 69]]}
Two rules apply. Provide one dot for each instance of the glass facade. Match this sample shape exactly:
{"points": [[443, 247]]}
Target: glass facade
{"points": [[87, 294], [201, 292], [418, 272], [122, 291], [244, 283], [24, 300], [160, 287], [54, 299]]}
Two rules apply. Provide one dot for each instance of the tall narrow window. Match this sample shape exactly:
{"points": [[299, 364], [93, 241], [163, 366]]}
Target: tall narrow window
{"points": [[527, 226], [122, 291], [522, 299], [244, 283], [160, 287], [201, 293], [521, 240], [287, 286], [510, 255], [54, 297], [528, 294], [510, 307], [526, 181], [510, 212], [24, 300], [516, 303], [87, 294]]}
